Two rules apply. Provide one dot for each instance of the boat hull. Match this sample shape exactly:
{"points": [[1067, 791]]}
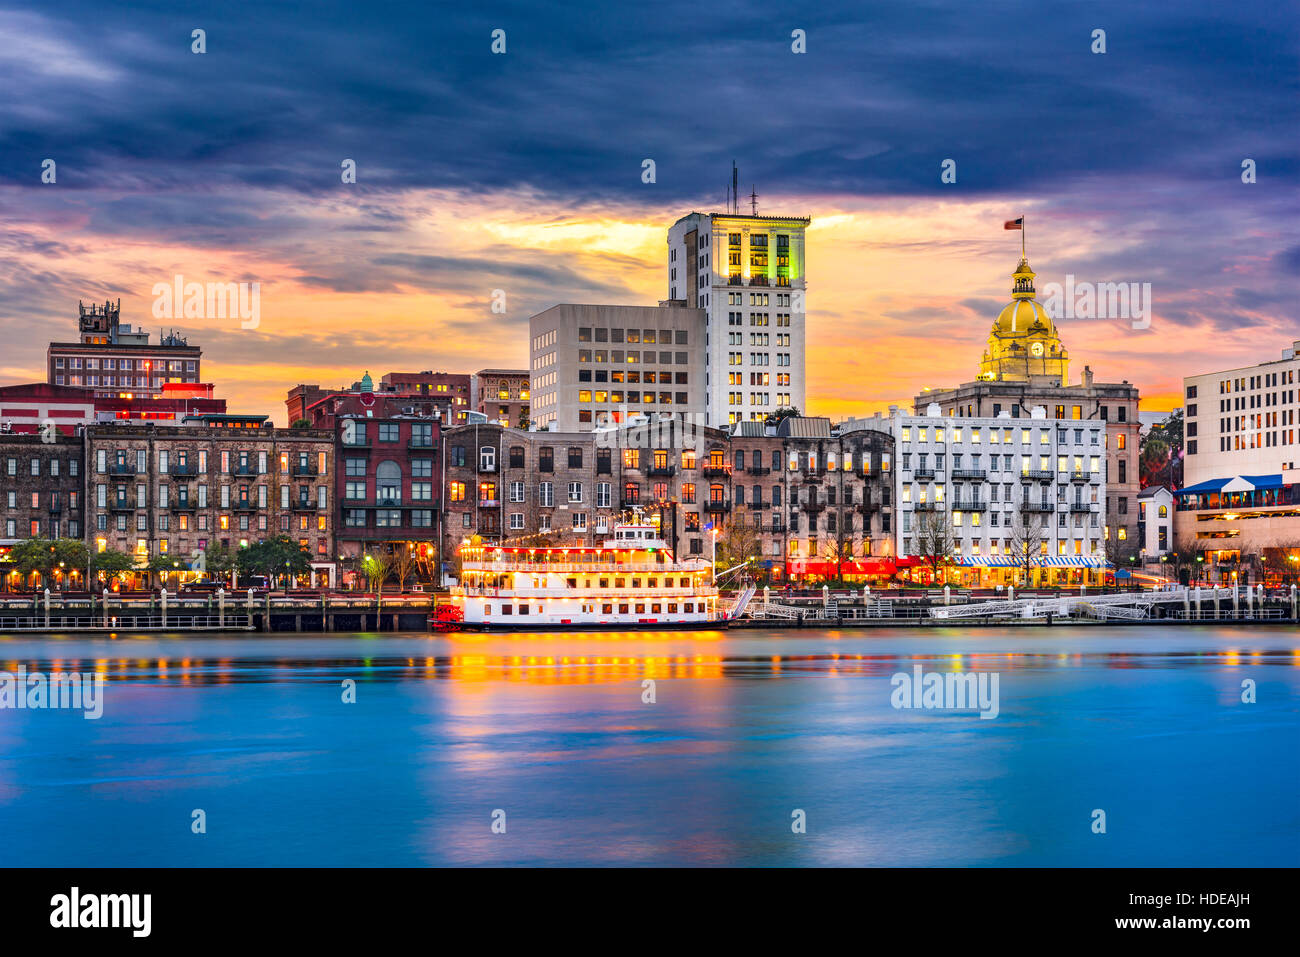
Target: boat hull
{"points": [[536, 626]]}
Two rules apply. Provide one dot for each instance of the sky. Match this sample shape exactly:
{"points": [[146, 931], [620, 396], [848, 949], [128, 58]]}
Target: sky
{"points": [[522, 172]]}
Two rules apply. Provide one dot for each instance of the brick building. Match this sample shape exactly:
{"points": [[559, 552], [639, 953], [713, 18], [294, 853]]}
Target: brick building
{"points": [[503, 395], [41, 494], [389, 477], [172, 490]]}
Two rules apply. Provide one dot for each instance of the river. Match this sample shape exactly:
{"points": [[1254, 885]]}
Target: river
{"points": [[749, 734]]}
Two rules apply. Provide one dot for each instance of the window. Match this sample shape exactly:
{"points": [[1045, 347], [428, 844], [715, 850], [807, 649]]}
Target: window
{"points": [[575, 491], [487, 459], [456, 491], [546, 459]]}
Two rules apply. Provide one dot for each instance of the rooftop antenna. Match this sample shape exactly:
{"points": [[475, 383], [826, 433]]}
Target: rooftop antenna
{"points": [[753, 200], [735, 187]]}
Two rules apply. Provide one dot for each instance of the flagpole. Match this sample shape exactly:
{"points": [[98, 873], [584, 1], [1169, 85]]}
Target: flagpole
{"points": [[1022, 236]]}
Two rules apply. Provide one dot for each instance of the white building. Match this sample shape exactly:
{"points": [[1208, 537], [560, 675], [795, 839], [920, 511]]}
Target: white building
{"points": [[747, 273], [995, 484], [1156, 522], [1241, 486], [1242, 421]]}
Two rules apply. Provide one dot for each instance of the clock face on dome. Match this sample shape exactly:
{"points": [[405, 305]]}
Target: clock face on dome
{"points": [[1036, 349]]}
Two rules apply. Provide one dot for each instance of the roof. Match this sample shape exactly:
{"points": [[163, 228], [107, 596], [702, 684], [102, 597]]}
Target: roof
{"points": [[1239, 483], [750, 430], [804, 427], [1152, 491]]}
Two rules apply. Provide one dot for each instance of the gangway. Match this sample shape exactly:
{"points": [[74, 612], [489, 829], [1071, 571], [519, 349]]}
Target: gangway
{"points": [[738, 607]]}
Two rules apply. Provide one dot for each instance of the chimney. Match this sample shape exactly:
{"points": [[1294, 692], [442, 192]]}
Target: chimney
{"points": [[1087, 376]]}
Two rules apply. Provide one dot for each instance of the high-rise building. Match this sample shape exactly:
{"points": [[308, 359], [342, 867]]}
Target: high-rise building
{"points": [[1239, 506], [595, 366], [747, 273], [110, 358]]}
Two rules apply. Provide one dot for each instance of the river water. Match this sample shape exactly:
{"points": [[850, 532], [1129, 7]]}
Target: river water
{"points": [[550, 735]]}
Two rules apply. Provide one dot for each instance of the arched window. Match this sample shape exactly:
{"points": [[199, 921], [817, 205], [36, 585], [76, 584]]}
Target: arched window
{"points": [[388, 482], [1164, 511]]}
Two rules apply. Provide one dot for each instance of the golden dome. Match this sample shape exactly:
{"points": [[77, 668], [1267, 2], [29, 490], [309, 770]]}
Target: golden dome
{"points": [[1023, 341]]}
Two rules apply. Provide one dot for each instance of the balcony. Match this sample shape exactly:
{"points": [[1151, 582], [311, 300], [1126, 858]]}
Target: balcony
{"points": [[760, 505], [717, 471], [244, 506], [928, 507], [736, 280], [118, 468], [184, 506], [1037, 506], [758, 281], [975, 474], [970, 506], [1037, 475], [867, 506], [923, 475], [55, 508], [633, 502], [717, 506], [1078, 475], [304, 470], [1080, 506], [302, 505], [812, 505], [121, 505], [489, 502], [759, 470], [420, 445], [243, 470], [182, 470], [663, 470]]}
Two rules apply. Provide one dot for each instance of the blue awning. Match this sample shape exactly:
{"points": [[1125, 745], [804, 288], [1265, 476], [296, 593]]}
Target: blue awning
{"points": [[1239, 483], [1202, 488]]}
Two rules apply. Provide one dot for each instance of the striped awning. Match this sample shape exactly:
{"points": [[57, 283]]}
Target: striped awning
{"points": [[1044, 561]]}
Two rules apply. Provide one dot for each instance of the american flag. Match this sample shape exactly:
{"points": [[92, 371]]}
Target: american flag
{"points": [[1014, 223]]}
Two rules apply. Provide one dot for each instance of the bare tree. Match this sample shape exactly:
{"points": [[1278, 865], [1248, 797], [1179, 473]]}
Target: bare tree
{"points": [[1027, 544], [376, 564], [739, 542], [934, 542], [403, 561]]}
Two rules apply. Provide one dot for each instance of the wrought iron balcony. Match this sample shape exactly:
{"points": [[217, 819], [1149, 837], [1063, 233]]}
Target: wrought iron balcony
{"points": [[979, 474], [1037, 475], [923, 475], [184, 505], [970, 506], [1078, 475], [665, 470], [721, 506], [717, 471], [1027, 506], [119, 468]]}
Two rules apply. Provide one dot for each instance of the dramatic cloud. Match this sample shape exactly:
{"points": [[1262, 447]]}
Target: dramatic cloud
{"points": [[521, 172]]}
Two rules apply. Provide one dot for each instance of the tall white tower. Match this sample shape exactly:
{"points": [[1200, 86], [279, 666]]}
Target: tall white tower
{"points": [[747, 272]]}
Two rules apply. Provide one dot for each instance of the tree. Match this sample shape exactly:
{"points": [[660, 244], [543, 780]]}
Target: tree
{"points": [[273, 557], [300, 424], [166, 565], [218, 560], [112, 562], [1026, 544], [1160, 456], [738, 544], [784, 412], [934, 542], [44, 555], [375, 564], [523, 421], [1119, 552], [404, 560]]}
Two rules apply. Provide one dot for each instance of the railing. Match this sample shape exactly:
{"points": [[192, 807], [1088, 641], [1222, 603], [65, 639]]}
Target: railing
{"points": [[969, 506], [758, 470], [579, 567], [186, 506], [249, 506], [661, 470], [121, 506], [1079, 476], [302, 505], [1080, 507], [717, 471], [304, 470], [524, 592], [969, 474], [124, 620], [928, 506], [923, 475], [1037, 475], [183, 470], [717, 506], [1037, 506], [488, 502]]}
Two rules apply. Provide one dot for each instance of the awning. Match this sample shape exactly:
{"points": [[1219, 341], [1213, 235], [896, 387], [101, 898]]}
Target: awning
{"points": [[1073, 561], [857, 566], [1238, 483], [1042, 561]]}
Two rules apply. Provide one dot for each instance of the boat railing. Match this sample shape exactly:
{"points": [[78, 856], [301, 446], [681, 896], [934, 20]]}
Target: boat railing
{"points": [[663, 568], [583, 594]]}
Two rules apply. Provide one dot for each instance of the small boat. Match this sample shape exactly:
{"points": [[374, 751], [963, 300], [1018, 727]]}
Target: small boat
{"points": [[632, 581]]}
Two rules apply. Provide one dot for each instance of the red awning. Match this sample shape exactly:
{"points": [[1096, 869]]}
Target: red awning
{"points": [[829, 569]]}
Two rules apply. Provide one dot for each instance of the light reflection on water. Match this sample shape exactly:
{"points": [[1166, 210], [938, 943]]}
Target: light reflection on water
{"points": [[1146, 723]]}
